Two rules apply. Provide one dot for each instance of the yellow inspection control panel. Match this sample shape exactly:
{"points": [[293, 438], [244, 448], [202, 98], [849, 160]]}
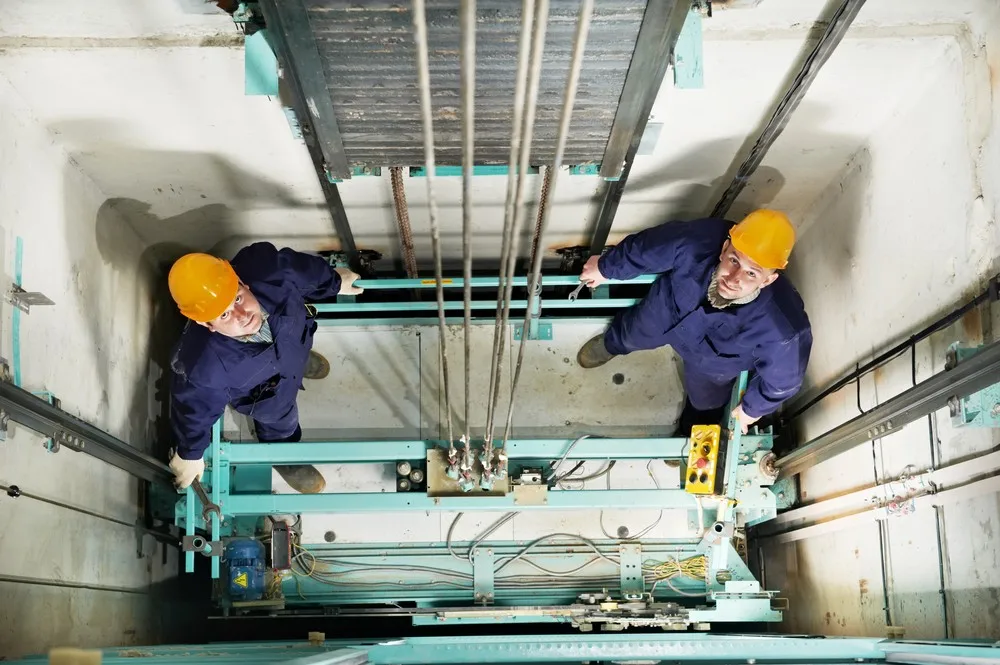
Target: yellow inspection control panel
{"points": [[703, 459]]}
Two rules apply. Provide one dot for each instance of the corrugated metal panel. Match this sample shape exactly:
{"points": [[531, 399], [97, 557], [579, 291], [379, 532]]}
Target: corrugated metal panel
{"points": [[370, 66]]}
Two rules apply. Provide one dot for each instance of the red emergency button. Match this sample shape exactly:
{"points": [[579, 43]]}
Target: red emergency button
{"points": [[701, 463]]}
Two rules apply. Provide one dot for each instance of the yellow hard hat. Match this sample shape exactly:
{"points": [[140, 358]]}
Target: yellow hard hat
{"points": [[766, 236], [203, 286]]}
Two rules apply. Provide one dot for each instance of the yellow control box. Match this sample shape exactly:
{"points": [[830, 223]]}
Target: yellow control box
{"points": [[703, 459]]}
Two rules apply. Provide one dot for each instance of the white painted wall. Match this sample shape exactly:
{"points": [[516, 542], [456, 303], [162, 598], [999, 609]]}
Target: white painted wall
{"points": [[92, 351]]}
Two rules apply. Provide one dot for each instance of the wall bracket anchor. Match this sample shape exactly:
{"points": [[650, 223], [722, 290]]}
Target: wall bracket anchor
{"points": [[23, 300]]}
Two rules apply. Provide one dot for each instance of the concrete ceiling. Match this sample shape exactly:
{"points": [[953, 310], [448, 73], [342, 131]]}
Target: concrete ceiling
{"points": [[147, 100]]}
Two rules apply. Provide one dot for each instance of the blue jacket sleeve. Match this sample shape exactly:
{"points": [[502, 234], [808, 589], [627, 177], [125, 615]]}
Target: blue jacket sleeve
{"points": [[194, 409], [779, 371], [652, 250], [311, 275]]}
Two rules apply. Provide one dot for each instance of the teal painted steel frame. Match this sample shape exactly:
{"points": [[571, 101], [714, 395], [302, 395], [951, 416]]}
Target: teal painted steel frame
{"points": [[223, 456], [427, 306], [689, 72], [341, 452], [476, 282], [366, 502], [441, 171], [565, 649], [217, 480], [260, 66], [539, 328]]}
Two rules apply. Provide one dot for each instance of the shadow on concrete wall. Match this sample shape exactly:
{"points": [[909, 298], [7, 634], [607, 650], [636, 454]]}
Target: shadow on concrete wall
{"points": [[173, 180], [699, 182], [135, 240], [824, 258], [120, 226]]}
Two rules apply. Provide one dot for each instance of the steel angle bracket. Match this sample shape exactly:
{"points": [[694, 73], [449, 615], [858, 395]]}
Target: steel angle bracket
{"points": [[482, 572], [630, 569], [24, 300]]}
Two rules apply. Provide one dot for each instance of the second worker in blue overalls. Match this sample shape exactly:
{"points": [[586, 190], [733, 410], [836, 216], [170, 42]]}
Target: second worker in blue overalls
{"points": [[248, 344], [720, 303]]}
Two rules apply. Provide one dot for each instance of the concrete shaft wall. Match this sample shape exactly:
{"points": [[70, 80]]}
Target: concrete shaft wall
{"points": [[904, 234], [68, 574], [126, 138]]}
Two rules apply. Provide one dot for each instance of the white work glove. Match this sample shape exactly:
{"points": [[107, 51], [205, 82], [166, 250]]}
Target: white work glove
{"points": [[591, 275], [743, 418], [347, 279], [186, 470]]}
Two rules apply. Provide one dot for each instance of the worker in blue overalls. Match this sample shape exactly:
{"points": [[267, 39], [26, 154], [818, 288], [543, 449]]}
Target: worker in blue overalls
{"points": [[720, 303], [248, 344]]}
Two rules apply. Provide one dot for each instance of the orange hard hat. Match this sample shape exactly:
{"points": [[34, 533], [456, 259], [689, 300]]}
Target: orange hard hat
{"points": [[203, 286], [766, 236]]}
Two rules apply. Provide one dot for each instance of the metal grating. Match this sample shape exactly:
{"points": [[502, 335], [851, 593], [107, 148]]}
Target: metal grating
{"points": [[369, 62]]}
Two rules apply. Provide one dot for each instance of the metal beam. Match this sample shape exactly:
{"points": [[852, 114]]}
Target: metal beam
{"points": [[835, 31], [576, 648], [391, 451], [479, 282], [418, 306], [288, 22], [290, 35], [967, 492], [70, 432], [389, 502], [661, 25], [946, 477], [975, 373]]}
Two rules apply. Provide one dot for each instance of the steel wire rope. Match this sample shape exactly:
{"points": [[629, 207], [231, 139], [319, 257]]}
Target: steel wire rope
{"points": [[527, 131], [569, 100], [467, 14], [517, 119], [424, 79]]}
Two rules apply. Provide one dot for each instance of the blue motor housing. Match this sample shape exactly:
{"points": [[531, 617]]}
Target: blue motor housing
{"points": [[245, 568]]}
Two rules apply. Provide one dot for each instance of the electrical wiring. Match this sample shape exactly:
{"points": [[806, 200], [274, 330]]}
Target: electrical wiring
{"points": [[538, 541], [562, 573], [329, 577], [332, 571], [701, 515], [569, 473], [568, 478], [555, 467], [658, 571], [355, 567], [644, 531], [447, 542], [303, 552], [695, 567], [480, 538], [489, 530]]}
